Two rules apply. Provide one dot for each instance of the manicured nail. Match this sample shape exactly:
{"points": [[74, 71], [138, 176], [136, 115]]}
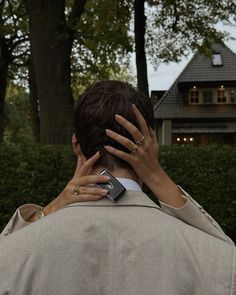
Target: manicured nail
{"points": [[107, 147], [118, 116], [104, 191], [108, 131], [106, 178]]}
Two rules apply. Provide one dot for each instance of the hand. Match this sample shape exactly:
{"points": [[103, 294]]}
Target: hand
{"points": [[144, 150], [79, 183], [144, 159]]}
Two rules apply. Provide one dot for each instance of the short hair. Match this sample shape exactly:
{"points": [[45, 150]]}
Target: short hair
{"points": [[95, 111]]}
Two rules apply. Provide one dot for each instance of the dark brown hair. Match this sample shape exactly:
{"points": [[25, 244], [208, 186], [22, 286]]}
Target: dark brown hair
{"points": [[95, 111]]}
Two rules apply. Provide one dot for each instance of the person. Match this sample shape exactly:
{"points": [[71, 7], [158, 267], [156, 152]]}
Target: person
{"points": [[133, 246]]}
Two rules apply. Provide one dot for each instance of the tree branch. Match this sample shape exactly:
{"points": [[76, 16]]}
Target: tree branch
{"points": [[77, 10], [176, 16]]}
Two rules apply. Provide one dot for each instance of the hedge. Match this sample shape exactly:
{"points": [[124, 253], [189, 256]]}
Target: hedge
{"points": [[37, 173]]}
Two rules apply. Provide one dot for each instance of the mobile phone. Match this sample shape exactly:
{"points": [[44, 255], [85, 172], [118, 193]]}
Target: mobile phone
{"points": [[114, 187]]}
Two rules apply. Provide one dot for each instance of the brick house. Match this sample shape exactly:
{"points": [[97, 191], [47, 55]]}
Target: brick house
{"points": [[200, 106]]}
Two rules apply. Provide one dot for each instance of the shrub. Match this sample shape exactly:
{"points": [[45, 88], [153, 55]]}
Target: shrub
{"points": [[37, 173]]}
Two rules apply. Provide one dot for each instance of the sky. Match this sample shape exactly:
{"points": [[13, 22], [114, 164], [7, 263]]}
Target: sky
{"points": [[164, 77]]}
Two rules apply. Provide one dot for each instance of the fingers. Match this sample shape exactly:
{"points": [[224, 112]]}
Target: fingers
{"points": [[78, 165], [136, 134], [141, 121], [153, 135], [90, 179], [86, 198], [87, 165], [120, 154], [86, 190], [120, 139]]}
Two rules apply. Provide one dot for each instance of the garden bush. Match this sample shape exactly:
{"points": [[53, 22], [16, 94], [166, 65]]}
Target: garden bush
{"points": [[37, 173]]}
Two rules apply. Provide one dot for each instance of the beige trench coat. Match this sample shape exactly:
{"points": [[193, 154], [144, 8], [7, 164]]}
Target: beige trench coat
{"points": [[134, 247]]}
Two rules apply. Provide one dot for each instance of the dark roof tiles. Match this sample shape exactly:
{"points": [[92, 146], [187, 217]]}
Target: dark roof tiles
{"points": [[199, 69]]}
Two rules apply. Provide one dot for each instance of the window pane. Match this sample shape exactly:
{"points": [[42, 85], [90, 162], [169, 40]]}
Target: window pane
{"points": [[194, 96], [221, 95], [232, 96], [217, 59], [207, 96]]}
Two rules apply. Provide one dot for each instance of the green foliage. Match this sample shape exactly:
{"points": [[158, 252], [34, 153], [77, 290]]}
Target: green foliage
{"points": [[174, 28], [18, 125], [32, 173], [37, 174], [102, 43]]}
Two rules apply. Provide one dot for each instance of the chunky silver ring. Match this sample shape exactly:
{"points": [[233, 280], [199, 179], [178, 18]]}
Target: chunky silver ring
{"points": [[76, 190], [140, 141], [134, 148]]}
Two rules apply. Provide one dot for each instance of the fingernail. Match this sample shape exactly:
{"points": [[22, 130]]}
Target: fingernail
{"points": [[104, 191], [107, 147], [133, 105], [106, 178], [117, 116], [108, 131]]}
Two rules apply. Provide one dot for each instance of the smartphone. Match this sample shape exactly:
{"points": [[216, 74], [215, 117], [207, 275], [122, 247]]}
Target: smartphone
{"points": [[114, 187]]}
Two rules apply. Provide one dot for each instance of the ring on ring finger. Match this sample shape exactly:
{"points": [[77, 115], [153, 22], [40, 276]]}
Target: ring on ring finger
{"points": [[134, 148], [140, 141], [76, 190]]}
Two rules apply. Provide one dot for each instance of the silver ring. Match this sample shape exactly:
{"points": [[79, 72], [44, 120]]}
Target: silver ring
{"points": [[140, 141], [76, 190], [134, 148]]}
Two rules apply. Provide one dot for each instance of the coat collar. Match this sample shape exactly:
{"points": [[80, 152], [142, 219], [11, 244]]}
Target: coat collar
{"points": [[130, 198]]}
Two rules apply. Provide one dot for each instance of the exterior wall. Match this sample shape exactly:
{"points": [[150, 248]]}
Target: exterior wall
{"points": [[166, 132], [203, 132]]}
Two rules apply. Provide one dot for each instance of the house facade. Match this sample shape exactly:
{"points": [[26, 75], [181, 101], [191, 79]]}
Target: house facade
{"points": [[200, 106]]}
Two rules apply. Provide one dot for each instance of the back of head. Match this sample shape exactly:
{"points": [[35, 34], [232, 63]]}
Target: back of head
{"points": [[95, 112]]}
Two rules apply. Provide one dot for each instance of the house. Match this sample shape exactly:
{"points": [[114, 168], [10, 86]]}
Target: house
{"points": [[200, 106]]}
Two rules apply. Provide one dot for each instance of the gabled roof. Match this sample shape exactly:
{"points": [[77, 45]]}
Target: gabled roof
{"points": [[199, 69]]}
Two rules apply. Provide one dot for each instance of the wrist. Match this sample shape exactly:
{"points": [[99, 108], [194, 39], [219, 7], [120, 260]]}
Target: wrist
{"points": [[37, 215], [155, 177]]}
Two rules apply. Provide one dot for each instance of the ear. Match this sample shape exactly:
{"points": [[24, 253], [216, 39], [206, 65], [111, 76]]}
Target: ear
{"points": [[76, 146]]}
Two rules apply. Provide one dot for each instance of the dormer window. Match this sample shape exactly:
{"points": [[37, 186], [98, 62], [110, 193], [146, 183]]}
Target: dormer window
{"points": [[217, 60]]}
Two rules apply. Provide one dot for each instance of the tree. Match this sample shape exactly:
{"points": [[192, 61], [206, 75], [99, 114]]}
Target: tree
{"points": [[54, 29], [139, 32], [176, 27], [18, 123], [13, 46]]}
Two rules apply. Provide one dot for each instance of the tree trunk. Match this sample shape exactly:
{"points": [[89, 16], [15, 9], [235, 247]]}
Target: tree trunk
{"points": [[34, 102], [139, 32], [4, 66], [3, 87], [51, 48]]}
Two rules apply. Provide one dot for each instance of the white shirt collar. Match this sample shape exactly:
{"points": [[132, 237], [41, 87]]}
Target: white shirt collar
{"points": [[130, 184]]}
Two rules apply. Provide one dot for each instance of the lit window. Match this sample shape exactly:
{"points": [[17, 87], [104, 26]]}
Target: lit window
{"points": [[221, 98], [194, 95], [207, 96], [217, 59]]}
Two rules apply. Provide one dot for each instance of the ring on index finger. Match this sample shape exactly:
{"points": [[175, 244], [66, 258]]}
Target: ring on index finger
{"points": [[140, 141], [76, 190]]}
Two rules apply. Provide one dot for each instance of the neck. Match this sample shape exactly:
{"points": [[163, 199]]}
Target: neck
{"points": [[120, 173]]}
